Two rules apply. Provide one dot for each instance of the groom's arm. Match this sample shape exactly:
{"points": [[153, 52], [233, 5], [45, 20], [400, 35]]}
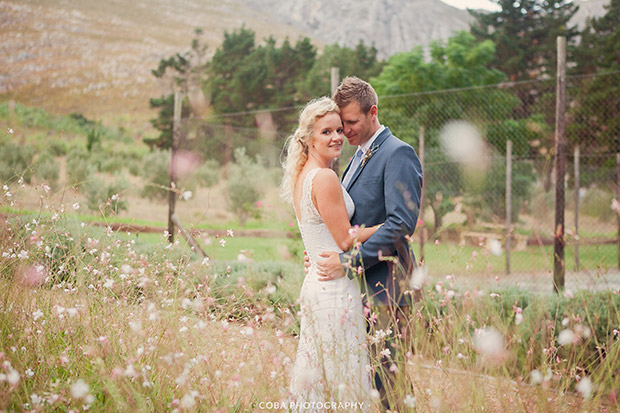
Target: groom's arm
{"points": [[402, 190]]}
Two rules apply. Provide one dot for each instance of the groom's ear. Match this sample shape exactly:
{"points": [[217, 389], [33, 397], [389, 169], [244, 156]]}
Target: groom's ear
{"points": [[373, 110]]}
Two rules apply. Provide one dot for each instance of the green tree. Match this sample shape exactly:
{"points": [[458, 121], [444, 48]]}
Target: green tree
{"points": [[451, 85], [182, 69], [524, 33], [244, 76], [597, 114], [361, 62]]}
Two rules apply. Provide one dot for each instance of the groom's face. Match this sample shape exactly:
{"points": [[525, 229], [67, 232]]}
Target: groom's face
{"points": [[358, 126]]}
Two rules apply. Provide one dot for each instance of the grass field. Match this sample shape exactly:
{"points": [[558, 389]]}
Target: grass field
{"points": [[441, 259]]}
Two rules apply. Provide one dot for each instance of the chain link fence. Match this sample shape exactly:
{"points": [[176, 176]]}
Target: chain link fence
{"points": [[462, 136]]}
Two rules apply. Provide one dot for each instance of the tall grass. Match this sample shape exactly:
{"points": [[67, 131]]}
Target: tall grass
{"points": [[93, 319]]}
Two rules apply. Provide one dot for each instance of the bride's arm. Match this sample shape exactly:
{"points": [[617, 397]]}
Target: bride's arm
{"points": [[328, 199]]}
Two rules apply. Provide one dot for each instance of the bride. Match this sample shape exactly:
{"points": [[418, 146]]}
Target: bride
{"points": [[331, 362]]}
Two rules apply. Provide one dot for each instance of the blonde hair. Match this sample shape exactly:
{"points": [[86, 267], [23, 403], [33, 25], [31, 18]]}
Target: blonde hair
{"points": [[297, 145]]}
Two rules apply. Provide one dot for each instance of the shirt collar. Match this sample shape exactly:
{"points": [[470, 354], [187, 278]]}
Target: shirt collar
{"points": [[366, 145]]}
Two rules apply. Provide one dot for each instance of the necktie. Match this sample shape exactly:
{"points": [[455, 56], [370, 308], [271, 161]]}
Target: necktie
{"points": [[354, 165]]}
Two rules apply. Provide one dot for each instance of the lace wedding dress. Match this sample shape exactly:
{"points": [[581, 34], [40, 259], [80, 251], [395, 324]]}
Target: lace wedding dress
{"points": [[331, 362]]}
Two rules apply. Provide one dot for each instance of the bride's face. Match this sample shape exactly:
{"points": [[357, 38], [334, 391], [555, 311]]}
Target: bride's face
{"points": [[327, 138]]}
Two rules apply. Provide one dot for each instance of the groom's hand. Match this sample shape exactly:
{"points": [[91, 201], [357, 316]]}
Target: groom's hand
{"points": [[306, 262], [329, 268]]}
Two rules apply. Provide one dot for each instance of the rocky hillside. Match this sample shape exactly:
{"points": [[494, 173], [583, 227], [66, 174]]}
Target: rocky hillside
{"points": [[96, 56], [392, 25]]}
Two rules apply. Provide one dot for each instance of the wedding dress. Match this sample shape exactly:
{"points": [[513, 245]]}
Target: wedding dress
{"points": [[331, 362]]}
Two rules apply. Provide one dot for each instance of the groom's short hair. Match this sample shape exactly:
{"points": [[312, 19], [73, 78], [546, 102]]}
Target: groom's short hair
{"points": [[354, 89]]}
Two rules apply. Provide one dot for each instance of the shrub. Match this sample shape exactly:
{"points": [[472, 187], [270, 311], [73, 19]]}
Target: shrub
{"points": [[80, 169], [113, 164], [134, 168], [156, 174], [46, 169], [208, 173], [93, 139], [493, 199], [107, 198], [597, 203], [245, 185], [15, 162], [57, 147]]}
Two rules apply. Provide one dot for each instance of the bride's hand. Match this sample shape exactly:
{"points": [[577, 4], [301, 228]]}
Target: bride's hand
{"points": [[329, 268]]}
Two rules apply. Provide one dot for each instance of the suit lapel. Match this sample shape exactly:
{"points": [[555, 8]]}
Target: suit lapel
{"points": [[374, 148]]}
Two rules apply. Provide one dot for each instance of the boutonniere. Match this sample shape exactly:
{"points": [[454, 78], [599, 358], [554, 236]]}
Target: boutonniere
{"points": [[369, 153]]}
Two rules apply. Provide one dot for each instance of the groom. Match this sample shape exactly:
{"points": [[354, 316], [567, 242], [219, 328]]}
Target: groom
{"points": [[384, 179]]}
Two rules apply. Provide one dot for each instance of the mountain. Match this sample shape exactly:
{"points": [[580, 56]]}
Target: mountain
{"points": [[392, 25], [95, 56]]}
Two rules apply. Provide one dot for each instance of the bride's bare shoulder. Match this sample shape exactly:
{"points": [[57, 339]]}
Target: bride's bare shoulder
{"points": [[326, 177]]}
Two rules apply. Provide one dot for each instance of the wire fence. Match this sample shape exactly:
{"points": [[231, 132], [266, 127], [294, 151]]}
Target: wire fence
{"points": [[462, 136]]}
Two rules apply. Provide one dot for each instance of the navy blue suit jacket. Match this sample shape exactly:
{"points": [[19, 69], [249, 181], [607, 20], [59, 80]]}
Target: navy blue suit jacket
{"points": [[386, 188]]}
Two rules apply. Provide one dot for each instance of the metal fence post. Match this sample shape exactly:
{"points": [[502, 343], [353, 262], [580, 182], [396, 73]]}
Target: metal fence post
{"points": [[172, 196], [559, 267], [576, 197], [508, 201]]}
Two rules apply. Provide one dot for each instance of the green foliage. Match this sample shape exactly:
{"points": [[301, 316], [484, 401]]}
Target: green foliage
{"points": [[207, 174], [459, 63], [185, 69], [596, 112], [245, 185], [164, 121], [244, 76], [93, 139], [524, 33], [597, 203], [113, 163], [57, 147], [46, 169], [443, 182], [82, 121], [156, 174], [107, 198], [31, 117], [492, 201], [80, 168], [16, 162], [361, 62]]}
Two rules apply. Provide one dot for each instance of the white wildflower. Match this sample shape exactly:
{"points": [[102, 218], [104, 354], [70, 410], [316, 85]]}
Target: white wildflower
{"points": [[495, 247], [535, 377], [186, 195], [418, 278], [79, 389], [409, 401], [566, 337], [585, 387], [489, 341]]}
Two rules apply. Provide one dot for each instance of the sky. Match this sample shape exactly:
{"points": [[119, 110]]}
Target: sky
{"points": [[473, 4]]}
